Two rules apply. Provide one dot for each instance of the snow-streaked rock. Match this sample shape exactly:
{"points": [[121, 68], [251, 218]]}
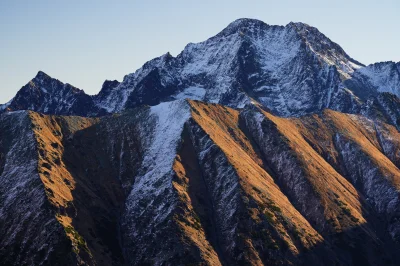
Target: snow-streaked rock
{"points": [[50, 96], [292, 70], [193, 182], [375, 78], [29, 231]]}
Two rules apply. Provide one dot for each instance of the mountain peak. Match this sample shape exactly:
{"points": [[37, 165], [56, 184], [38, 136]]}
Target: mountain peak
{"points": [[41, 76], [108, 86], [242, 24], [249, 23], [299, 25], [48, 95], [248, 57], [291, 70]]}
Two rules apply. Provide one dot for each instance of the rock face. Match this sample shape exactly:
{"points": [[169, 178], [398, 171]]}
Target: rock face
{"points": [[50, 96], [383, 107], [291, 70], [375, 78], [263, 145], [29, 231], [188, 182]]}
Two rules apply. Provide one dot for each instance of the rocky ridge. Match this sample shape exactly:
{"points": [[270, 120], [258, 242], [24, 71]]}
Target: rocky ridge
{"points": [[291, 70], [263, 145], [220, 186]]}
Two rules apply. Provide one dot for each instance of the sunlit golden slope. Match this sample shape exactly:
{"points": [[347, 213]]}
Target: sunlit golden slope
{"points": [[247, 187]]}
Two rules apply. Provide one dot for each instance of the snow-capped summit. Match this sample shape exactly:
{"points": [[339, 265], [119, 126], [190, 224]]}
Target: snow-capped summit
{"points": [[242, 24], [189, 182], [291, 70]]}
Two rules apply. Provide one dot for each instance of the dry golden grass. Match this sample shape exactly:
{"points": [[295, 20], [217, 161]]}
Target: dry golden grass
{"points": [[353, 128], [187, 222], [310, 138], [326, 181], [222, 126], [57, 180]]}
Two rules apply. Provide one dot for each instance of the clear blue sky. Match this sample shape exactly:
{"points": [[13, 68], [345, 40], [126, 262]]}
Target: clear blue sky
{"points": [[85, 42]]}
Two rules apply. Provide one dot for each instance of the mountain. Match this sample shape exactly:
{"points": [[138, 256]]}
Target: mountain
{"points": [[50, 96], [291, 70], [188, 182], [263, 145]]}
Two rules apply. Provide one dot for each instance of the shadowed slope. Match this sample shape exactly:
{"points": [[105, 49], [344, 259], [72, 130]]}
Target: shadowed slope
{"points": [[188, 182]]}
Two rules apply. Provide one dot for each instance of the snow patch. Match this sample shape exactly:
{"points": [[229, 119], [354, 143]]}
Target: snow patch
{"points": [[383, 77], [194, 93], [161, 135]]}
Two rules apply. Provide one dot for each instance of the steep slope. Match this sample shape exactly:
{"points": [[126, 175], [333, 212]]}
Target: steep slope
{"points": [[330, 52], [375, 78], [86, 166], [188, 182], [264, 228], [364, 157], [337, 159], [71, 216], [384, 107], [58, 182], [29, 231]]}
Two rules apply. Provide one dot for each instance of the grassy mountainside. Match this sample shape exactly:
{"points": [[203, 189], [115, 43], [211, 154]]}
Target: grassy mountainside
{"points": [[223, 187]]}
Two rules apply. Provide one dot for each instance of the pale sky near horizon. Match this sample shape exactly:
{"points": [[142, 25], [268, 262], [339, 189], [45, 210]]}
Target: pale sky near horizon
{"points": [[86, 42]]}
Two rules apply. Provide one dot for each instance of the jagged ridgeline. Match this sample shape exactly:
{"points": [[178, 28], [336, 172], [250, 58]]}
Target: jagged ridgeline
{"points": [[291, 70], [264, 145]]}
